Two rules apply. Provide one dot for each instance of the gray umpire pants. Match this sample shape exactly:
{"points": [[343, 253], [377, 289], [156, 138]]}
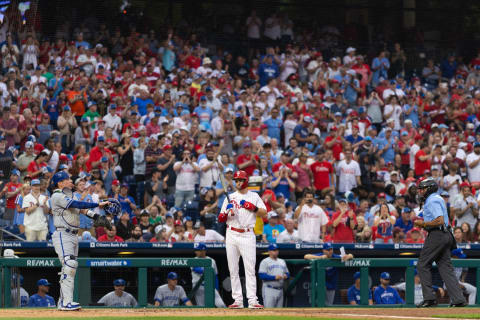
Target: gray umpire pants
{"points": [[437, 249]]}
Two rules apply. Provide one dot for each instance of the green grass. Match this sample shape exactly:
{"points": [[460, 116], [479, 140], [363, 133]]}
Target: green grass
{"points": [[458, 316], [178, 318]]}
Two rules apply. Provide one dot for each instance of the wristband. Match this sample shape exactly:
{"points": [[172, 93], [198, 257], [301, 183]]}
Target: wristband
{"points": [[91, 214], [255, 210]]}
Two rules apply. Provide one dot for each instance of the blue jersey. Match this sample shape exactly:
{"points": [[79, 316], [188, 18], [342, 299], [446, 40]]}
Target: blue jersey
{"points": [[38, 301], [273, 232], [282, 187], [205, 114], [302, 131], [405, 227], [387, 295], [266, 71], [435, 207], [274, 128], [353, 140], [125, 205], [353, 294], [331, 274]]}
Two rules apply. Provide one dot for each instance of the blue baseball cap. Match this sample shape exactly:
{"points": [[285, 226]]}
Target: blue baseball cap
{"points": [[368, 138], [16, 172], [327, 246], [67, 108], [119, 282], [35, 182], [356, 275], [200, 246], [476, 144], [385, 276], [101, 139], [203, 98], [43, 282], [113, 106], [172, 276], [84, 119], [279, 195], [272, 247], [459, 253], [406, 209], [62, 167], [228, 168], [104, 159]]}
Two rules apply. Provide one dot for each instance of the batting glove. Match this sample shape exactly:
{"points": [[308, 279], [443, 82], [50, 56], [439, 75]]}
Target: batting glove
{"points": [[248, 205], [222, 217], [230, 210]]}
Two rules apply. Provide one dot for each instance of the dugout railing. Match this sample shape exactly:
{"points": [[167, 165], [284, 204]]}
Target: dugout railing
{"points": [[82, 291], [364, 264]]}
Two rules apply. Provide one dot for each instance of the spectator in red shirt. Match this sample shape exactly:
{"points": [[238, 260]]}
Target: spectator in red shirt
{"points": [[422, 159], [11, 191], [97, 153], [247, 161], [284, 163], [344, 222], [110, 236], [334, 142], [323, 174], [35, 167]]}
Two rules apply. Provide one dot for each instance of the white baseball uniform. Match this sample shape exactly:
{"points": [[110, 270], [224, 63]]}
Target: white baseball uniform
{"points": [[310, 223], [242, 244], [468, 288]]}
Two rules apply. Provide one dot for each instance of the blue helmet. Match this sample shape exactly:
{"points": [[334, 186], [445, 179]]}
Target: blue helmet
{"points": [[59, 176], [20, 277]]}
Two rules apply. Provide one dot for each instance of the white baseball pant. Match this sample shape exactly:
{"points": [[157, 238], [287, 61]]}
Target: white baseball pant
{"points": [[66, 247], [244, 245]]}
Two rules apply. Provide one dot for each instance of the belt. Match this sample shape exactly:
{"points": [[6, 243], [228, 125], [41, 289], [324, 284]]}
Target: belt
{"points": [[439, 228], [269, 286], [72, 231], [239, 230]]}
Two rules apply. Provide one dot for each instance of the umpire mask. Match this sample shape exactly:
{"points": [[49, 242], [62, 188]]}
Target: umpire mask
{"points": [[430, 185]]}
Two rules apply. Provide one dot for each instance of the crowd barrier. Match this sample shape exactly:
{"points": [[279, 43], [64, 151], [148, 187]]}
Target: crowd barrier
{"points": [[316, 272]]}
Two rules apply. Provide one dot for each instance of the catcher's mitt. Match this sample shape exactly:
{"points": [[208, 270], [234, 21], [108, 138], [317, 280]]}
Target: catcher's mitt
{"points": [[114, 207], [102, 221]]}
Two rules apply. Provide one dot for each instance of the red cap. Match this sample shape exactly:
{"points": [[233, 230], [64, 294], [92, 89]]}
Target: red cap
{"points": [[356, 126], [389, 163], [115, 182], [416, 229], [381, 195], [334, 128], [38, 148], [354, 114], [63, 157], [263, 126], [167, 147], [465, 184], [226, 121], [178, 223], [418, 137], [221, 80]]}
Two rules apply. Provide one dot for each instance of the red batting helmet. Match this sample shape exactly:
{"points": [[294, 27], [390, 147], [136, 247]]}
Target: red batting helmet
{"points": [[241, 175]]}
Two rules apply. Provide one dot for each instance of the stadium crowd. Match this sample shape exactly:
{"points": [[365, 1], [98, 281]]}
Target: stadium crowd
{"points": [[334, 144]]}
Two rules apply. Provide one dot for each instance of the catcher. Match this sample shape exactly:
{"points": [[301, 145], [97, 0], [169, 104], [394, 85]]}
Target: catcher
{"points": [[66, 218]]}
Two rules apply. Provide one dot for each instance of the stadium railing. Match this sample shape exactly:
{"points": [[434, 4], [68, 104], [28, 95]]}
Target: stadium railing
{"points": [[82, 291], [364, 264]]}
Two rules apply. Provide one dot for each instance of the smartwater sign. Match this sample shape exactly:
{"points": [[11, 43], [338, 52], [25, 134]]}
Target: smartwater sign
{"points": [[108, 263]]}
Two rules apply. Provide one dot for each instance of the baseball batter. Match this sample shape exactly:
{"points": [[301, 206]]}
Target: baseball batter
{"points": [[66, 218], [273, 271], [171, 294], [240, 215], [197, 272]]}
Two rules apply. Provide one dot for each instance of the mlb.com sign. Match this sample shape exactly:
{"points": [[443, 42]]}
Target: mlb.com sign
{"points": [[357, 263], [41, 263]]}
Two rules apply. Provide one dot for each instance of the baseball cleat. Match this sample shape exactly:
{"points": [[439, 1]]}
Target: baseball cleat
{"points": [[235, 306], [255, 306], [458, 305], [427, 304], [71, 306]]}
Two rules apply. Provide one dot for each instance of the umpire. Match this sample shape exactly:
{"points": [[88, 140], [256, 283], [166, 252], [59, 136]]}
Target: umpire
{"points": [[437, 247]]}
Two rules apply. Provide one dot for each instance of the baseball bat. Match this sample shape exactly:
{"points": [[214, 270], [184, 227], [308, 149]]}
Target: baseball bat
{"points": [[224, 185]]}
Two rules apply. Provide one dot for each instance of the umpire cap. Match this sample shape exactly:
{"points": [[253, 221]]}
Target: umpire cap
{"points": [[172, 276], [200, 246], [59, 176], [119, 282], [43, 282]]}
